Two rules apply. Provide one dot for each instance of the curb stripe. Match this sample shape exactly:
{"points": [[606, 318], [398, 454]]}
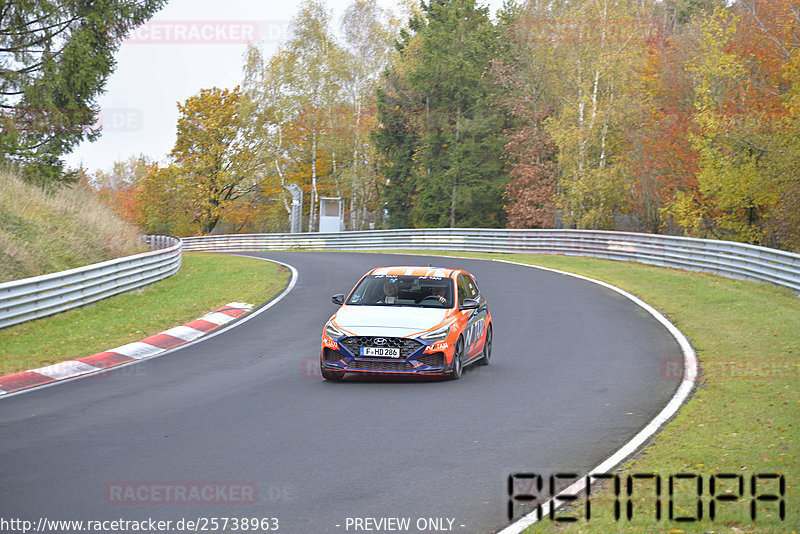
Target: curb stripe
{"points": [[217, 318], [25, 379], [183, 332], [203, 326], [105, 359], [163, 341], [233, 312], [138, 350], [65, 369]]}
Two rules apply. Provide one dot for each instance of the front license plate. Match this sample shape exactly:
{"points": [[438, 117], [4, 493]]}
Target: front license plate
{"points": [[380, 352]]}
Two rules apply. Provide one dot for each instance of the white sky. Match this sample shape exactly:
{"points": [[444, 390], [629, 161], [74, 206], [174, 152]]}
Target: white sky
{"points": [[154, 72]]}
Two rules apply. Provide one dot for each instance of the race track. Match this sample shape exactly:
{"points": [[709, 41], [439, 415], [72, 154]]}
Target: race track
{"points": [[577, 370]]}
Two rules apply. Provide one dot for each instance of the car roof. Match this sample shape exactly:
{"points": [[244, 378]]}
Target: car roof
{"points": [[415, 270]]}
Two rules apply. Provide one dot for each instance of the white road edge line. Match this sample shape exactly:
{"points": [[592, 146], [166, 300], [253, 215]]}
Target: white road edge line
{"points": [[211, 334], [690, 369]]}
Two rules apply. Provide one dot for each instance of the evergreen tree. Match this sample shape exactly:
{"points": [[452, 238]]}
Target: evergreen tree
{"points": [[55, 58], [438, 108]]}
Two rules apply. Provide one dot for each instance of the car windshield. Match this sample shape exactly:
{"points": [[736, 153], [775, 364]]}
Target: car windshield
{"points": [[416, 291]]}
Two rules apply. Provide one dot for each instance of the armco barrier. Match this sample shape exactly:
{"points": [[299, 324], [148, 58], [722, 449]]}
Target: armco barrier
{"points": [[31, 298], [725, 258], [23, 300]]}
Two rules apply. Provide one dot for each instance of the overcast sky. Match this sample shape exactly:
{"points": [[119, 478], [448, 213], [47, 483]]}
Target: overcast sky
{"points": [[189, 45]]}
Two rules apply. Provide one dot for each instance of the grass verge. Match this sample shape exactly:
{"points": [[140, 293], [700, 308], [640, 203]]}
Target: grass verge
{"points": [[743, 418], [43, 232], [205, 282]]}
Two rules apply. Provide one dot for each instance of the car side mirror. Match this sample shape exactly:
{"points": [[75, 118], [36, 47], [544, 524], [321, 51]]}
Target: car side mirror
{"points": [[338, 299], [469, 304]]}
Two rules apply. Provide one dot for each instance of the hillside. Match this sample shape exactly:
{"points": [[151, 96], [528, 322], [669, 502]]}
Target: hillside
{"points": [[43, 233]]}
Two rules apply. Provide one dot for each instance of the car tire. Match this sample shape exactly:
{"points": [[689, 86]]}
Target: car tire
{"points": [[487, 348], [458, 360], [334, 376]]}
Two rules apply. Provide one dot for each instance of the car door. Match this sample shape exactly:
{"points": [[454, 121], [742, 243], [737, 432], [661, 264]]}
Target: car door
{"points": [[476, 323]]}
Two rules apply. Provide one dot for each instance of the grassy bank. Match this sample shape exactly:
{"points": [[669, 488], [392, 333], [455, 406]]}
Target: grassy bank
{"points": [[205, 282], [42, 233], [744, 417]]}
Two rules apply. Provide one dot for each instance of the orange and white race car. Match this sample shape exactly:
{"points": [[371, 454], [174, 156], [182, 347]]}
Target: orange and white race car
{"points": [[408, 320]]}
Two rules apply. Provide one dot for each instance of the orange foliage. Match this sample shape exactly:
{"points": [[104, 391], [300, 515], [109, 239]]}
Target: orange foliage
{"points": [[659, 152]]}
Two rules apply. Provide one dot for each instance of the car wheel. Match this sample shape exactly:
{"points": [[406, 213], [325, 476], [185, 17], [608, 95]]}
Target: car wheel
{"points": [[458, 362], [487, 348], [332, 375]]}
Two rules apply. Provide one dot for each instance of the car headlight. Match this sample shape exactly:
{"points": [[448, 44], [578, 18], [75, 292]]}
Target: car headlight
{"points": [[333, 332], [436, 335]]}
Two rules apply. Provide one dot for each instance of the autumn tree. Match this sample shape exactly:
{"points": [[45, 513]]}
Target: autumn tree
{"points": [[530, 152], [735, 59], [312, 53], [121, 187], [657, 148], [296, 89], [314, 106], [165, 207], [272, 108], [213, 155], [593, 52]]}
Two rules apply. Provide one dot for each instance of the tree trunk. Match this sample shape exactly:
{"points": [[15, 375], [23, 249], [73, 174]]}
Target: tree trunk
{"points": [[312, 209]]}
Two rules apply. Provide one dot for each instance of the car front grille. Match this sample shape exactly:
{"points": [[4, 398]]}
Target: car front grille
{"points": [[433, 360], [407, 346], [368, 365], [330, 355]]}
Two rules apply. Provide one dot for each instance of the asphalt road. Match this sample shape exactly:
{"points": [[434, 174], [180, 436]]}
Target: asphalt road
{"points": [[576, 372]]}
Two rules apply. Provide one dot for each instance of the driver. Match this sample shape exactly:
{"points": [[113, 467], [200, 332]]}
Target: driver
{"points": [[390, 290], [439, 292]]}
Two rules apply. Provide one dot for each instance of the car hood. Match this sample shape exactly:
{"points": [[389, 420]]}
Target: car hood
{"points": [[394, 321]]}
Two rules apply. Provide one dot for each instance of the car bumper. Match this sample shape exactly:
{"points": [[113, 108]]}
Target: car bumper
{"points": [[336, 356]]}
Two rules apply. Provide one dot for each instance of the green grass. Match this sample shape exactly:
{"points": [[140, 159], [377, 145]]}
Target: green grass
{"points": [[744, 417], [205, 282]]}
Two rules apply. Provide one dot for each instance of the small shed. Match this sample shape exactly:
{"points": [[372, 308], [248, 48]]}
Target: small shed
{"points": [[331, 214]]}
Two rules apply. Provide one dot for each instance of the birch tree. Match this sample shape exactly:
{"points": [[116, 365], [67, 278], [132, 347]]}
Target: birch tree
{"points": [[368, 38], [299, 88], [593, 49]]}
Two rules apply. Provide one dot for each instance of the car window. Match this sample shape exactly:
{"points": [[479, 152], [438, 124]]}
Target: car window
{"points": [[472, 288], [417, 291], [463, 292]]}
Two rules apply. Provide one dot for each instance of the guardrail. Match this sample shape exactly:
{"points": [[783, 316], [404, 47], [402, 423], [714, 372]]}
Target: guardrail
{"points": [[31, 298], [725, 258]]}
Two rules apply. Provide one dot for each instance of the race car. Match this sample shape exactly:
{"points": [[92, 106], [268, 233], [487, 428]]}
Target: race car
{"points": [[410, 321]]}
